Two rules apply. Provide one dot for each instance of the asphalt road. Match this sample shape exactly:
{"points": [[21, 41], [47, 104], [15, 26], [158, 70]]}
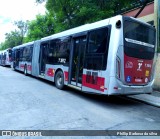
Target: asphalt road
{"points": [[28, 103]]}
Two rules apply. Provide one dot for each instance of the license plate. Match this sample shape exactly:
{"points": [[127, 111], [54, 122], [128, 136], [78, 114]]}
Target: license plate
{"points": [[137, 89]]}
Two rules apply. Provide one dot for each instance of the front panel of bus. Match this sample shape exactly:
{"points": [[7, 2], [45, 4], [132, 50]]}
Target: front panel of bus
{"points": [[139, 50]]}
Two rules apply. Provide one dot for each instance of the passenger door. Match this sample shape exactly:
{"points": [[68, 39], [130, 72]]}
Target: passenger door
{"points": [[43, 57], [76, 66]]}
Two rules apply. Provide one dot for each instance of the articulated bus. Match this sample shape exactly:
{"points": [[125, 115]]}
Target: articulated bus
{"points": [[115, 56], [22, 57], [5, 57]]}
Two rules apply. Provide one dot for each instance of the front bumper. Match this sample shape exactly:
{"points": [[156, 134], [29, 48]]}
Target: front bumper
{"points": [[122, 89]]}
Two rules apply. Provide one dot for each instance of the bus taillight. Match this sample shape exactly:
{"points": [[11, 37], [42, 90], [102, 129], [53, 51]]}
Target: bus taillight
{"points": [[118, 67]]}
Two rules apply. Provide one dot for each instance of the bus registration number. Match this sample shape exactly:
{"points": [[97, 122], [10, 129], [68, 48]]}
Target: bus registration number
{"points": [[62, 60], [138, 89]]}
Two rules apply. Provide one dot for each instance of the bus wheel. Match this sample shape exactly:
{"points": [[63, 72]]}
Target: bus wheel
{"points": [[25, 70], [59, 80]]}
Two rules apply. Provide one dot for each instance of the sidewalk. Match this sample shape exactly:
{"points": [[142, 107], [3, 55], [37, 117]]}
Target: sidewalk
{"points": [[152, 99]]}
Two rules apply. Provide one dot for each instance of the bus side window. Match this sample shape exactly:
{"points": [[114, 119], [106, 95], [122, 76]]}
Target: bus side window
{"points": [[21, 50], [30, 54], [97, 41], [51, 49], [27, 53], [24, 53], [64, 51], [5, 55], [58, 52], [97, 49], [17, 55], [13, 55]]}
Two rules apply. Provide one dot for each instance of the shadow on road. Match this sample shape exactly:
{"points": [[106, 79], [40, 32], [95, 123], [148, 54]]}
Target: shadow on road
{"points": [[104, 99], [94, 98]]}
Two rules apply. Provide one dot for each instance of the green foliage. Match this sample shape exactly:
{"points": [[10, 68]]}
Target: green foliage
{"points": [[16, 37], [23, 27], [41, 27], [12, 39], [63, 15], [73, 13], [63, 12]]}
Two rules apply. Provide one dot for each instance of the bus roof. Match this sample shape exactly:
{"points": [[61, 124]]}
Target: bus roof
{"points": [[81, 29], [23, 45]]}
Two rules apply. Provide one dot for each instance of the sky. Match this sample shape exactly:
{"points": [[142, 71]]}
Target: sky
{"points": [[15, 10]]}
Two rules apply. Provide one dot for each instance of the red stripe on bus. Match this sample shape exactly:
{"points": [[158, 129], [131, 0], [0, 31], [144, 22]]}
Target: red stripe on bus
{"points": [[66, 75], [22, 66], [50, 72], [29, 68], [99, 85]]}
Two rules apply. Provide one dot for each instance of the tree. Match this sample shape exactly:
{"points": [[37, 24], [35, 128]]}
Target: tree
{"points": [[41, 27], [12, 39], [16, 37], [23, 27], [72, 13]]}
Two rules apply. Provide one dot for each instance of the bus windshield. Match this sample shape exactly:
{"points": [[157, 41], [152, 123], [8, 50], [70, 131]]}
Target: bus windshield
{"points": [[139, 39]]}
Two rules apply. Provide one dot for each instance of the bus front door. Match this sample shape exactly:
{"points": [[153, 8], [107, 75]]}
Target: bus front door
{"points": [[76, 65]]}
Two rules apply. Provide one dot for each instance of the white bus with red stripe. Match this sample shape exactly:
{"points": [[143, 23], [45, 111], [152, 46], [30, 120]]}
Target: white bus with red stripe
{"points": [[112, 57], [22, 57], [5, 57]]}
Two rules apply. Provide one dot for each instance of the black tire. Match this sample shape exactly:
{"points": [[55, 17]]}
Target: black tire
{"points": [[25, 70], [59, 80]]}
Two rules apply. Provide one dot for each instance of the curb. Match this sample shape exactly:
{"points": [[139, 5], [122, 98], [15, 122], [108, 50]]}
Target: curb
{"points": [[148, 99]]}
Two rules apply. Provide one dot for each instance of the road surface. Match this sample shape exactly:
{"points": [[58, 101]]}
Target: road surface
{"points": [[28, 103]]}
